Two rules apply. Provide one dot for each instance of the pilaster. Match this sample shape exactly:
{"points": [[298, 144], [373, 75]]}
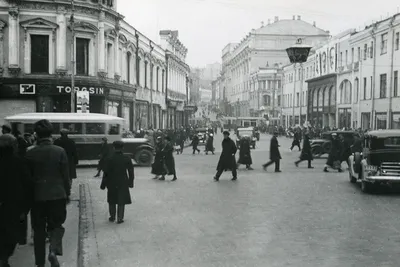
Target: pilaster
{"points": [[61, 44], [13, 44], [101, 45]]}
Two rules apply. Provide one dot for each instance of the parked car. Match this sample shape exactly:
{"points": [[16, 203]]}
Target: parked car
{"points": [[140, 149], [256, 133], [202, 134], [379, 163], [248, 132], [321, 146]]}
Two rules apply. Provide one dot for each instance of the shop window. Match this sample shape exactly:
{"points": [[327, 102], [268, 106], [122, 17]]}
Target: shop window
{"points": [[395, 120], [381, 120], [82, 56], [95, 128], [114, 129], [39, 54], [73, 128], [382, 88]]}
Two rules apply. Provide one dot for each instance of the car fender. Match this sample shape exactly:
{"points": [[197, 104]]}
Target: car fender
{"points": [[351, 166], [362, 172], [357, 157]]}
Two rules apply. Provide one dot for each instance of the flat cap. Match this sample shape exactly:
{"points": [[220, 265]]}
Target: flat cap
{"points": [[226, 133]]}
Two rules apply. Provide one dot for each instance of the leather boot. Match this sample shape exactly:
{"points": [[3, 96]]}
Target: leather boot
{"points": [[56, 237]]}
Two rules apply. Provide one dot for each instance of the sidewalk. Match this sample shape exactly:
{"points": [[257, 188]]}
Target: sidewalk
{"points": [[24, 255]]}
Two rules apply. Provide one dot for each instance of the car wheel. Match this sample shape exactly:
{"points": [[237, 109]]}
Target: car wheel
{"points": [[144, 157], [366, 187], [352, 179]]}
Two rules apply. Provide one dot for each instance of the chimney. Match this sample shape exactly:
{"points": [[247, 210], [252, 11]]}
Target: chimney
{"points": [[298, 17], [314, 24], [294, 17], [276, 19], [262, 24], [269, 21]]}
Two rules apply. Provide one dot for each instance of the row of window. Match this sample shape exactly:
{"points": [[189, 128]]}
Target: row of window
{"points": [[251, 86], [308, 73], [288, 100]]}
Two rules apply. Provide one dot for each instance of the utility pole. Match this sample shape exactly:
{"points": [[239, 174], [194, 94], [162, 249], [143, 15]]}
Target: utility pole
{"points": [[151, 87], [72, 23], [273, 95]]}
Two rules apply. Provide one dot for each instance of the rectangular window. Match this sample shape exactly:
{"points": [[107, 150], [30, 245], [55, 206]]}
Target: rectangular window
{"points": [[371, 50], [297, 99], [74, 128], [162, 81], [279, 100], [347, 58], [370, 92], [145, 74], [358, 54], [395, 83], [365, 88], [396, 44], [352, 55], [39, 54], [279, 84], [95, 128], [157, 78], [82, 56], [114, 129], [365, 51], [384, 38], [128, 67], [138, 70], [341, 59]]}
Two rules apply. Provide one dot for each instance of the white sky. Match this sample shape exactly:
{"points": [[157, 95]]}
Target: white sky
{"points": [[206, 26]]}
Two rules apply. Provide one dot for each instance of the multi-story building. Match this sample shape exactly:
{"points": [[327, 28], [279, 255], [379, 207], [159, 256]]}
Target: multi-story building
{"points": [[261, 48], [112, 60], [205, 96]]}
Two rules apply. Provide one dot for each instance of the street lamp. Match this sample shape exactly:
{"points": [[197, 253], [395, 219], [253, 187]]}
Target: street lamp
{"points": [[298, 54]]}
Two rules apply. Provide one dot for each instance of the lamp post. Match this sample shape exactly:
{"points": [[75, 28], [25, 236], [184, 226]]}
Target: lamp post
{"points": [[298, 54], [72, 24], [151, 87]]}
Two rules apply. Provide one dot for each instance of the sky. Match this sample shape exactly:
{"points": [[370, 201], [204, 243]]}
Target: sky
{"points": [[207, 26]]}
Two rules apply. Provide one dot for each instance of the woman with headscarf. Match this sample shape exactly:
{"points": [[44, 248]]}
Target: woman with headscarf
{"points": [[15, 196]]}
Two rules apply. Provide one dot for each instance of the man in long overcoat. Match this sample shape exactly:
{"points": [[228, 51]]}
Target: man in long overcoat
{"points": [[169, 160], [105, 152], [274, 154], [210, 144], [70, 148], [195, 143], [245, 153], [118, 177], [227, 159], [157, 168], [334, 154], [306, 154], [296, 139]]}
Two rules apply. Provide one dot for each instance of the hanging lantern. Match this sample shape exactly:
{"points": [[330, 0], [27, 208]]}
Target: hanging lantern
{"points": [[299, 52]]}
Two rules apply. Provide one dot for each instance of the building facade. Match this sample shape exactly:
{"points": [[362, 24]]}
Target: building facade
{"points": [[261, 48], [123, 70]]}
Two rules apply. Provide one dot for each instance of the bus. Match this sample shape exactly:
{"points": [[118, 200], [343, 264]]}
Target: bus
{"points": [[230, 122], [87, 130]]}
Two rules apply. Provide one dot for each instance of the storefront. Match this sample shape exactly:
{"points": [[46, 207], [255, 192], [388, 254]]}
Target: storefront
{"points": [[366, 120], [142, 114], [395, 120], [380, 120]]}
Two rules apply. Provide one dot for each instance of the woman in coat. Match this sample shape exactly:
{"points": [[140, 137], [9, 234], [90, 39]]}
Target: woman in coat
{"points": [[335, 154], [306, 153], [117, 181], [15, 196], [227, 159], [157, 168], [210, 144], [169, 161], [245, 153]]}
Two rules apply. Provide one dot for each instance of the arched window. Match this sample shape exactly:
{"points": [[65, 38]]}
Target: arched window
{"points": [[326, 97], [315, 98], [128, 67], [332, 93]]}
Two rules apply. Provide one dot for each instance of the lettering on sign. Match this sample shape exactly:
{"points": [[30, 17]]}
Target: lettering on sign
{"points": [[91, 90], [27, 89]]}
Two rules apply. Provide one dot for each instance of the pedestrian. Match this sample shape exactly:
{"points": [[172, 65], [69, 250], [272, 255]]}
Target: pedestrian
{"points": [[5, 129], [118, 182], [334, 154], [49, 170], [157, 168], [169, 161], [296, 140], [274, 154], [105, 152], [15, 197], [22, 143], [245, 153], [306, 153], [210, 144], [227, 159], [195, 143], [70, 148]]}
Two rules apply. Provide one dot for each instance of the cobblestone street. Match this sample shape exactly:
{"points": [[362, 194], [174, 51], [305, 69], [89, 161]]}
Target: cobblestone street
{"points": [[299, 217]]}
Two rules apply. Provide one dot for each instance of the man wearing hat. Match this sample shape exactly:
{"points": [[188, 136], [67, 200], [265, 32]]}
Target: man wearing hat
{"points": [[5, 129], [70, 148], [274, 154], [227, 159], [117, 181], [334, 159], [105, 152]]}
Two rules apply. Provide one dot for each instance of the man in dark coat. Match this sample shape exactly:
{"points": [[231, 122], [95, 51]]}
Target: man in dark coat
{"points": [[195, 143], [157, 168], [296, 140], [274, 154], [118, 182], [169, 160], [5, 129], [210, 144], [105, 152], [70, 148], [15, 200], [306, 153], [49, 170], [227, 159], [357, 144], [334, 154], [245, 153]]}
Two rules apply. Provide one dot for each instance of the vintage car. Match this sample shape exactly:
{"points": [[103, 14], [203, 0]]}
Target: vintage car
{"points": [[379, 163], [321, 146], [246, 132], [202, 134]]}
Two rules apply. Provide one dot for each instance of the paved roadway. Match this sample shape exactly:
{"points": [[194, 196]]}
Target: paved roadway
{"points": [[299, 217]]}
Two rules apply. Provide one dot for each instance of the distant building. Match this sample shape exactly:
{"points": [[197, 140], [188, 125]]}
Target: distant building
{"points": [[205, 95]]}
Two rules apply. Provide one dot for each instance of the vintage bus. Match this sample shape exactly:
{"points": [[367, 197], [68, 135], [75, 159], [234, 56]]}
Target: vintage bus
{"points": [[87, 130], [230, 122]]}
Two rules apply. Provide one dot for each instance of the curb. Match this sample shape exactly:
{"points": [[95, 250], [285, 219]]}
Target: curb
{"points": [[87, 242]]}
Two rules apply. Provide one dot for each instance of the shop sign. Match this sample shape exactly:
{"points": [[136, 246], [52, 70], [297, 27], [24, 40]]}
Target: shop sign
{"points": [[91, 90], [189, 108], [27, 89]]}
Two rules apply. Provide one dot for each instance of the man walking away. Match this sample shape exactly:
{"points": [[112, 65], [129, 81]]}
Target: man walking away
{"points": [[306, 153], [70, 148], [169, 160], [334, 155], [296, 140], [274, 154], [104, 154], [195, 143], [245, 153], [118, 182], [227, 159], [49, 169]]}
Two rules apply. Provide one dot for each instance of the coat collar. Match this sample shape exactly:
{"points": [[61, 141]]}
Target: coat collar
{"points": [[44, 141]]}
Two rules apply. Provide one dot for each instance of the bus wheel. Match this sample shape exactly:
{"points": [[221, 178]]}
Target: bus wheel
{"points": [[144, 157]]}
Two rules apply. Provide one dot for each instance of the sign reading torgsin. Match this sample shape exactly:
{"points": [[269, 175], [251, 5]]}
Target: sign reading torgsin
{"points": [[91, 90]]}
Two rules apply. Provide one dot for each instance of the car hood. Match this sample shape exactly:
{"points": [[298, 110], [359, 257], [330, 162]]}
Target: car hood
{"points": [[135, 140], [317, 141], [376, 157]]}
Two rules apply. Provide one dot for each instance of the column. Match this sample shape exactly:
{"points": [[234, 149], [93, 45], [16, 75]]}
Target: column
{"points": [[101, 45], [13, 44], [61, 42], [117, 71]]}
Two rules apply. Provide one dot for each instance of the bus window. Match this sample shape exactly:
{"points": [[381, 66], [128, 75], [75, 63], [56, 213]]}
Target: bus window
{"points": [[74, 128], [29, 128], [95, 128], [114, 129]]}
